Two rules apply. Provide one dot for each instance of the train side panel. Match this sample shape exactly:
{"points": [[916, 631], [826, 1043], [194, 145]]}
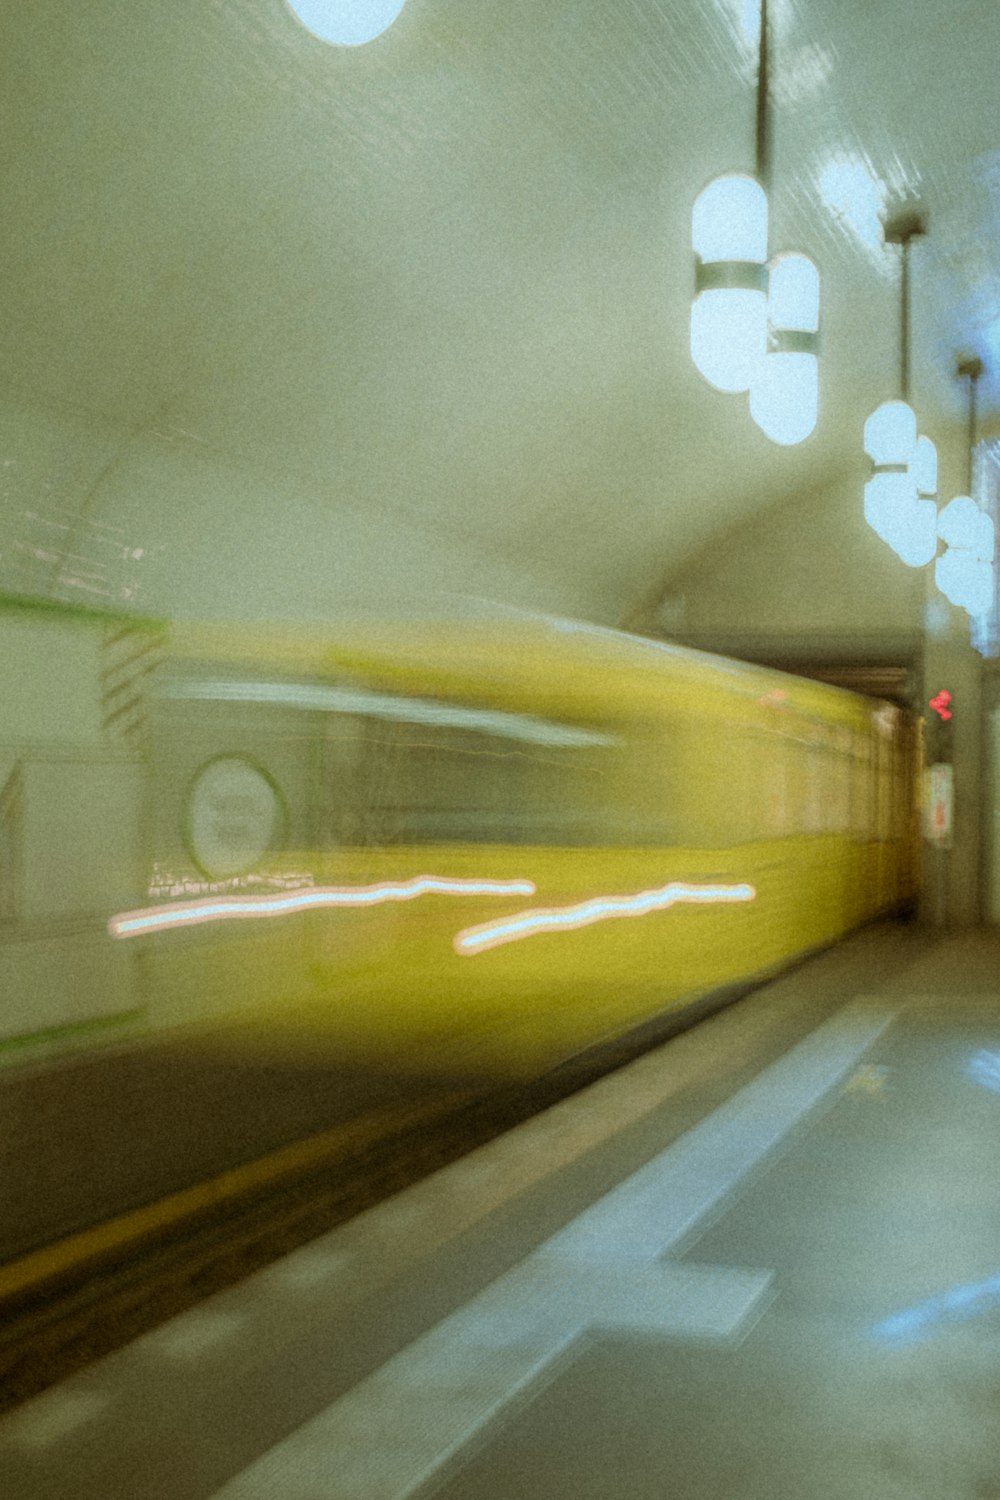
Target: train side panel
{"points": [[648, 844]]}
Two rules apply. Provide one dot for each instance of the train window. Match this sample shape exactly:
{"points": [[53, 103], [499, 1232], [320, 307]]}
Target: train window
{"points": [[358, 767], [421, 784], [814, 811], [884, 790], [798, 786], [840, 791], [776, 790], [737, 786], [829, 773], [861, 802]]}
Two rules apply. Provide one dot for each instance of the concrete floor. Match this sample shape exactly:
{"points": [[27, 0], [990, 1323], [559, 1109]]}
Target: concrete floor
{"points": [[763, 1261], [875, 1370]]}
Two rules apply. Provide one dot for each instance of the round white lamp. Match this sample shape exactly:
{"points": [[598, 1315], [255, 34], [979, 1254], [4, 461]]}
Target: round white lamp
{"points": [[784, 393], [346, 23], [891, 435], [924, 466], [729, 313]]}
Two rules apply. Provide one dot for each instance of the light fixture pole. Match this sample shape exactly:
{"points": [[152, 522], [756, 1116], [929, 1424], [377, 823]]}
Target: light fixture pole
{"points": [[900, 231], [763, 123], [754, 324], [970, 369], [899, 504], [964, 571]]}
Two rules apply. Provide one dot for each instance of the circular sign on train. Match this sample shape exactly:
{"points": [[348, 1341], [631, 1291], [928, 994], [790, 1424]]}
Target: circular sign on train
{"points": [[234, 814]]}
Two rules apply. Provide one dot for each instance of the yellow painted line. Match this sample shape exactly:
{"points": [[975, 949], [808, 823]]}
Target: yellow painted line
{"points": [[76, 1250]]}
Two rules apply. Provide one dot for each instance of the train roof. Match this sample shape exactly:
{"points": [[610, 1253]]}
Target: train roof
{"points": [[565, 668]]}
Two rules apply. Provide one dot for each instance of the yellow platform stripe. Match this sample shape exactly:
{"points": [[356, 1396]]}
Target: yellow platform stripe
{"points": [[103, 1240]]}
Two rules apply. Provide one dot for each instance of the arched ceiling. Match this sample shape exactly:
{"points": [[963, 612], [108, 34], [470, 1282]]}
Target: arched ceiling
{"points": [[296, 329]]}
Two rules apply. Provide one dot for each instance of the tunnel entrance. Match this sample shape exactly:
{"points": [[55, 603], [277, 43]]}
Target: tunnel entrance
{"points": [[893, 682]]}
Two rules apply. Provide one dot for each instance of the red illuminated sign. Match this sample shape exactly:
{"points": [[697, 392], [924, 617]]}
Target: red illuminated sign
{"points": [[940, 704]]}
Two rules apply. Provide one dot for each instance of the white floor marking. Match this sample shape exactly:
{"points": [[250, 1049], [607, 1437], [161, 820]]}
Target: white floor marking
{"points": [[304, 1270], [401, 1214], [191, 1334], [52, 1416], [399, 1427]]}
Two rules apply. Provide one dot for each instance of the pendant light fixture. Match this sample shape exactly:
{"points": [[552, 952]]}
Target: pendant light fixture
{"points": [[729, 312], [754, 326], [784, 391], [899, 503], [964, 571]]}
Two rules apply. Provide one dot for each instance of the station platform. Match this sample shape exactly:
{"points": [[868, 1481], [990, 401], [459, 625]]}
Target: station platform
{"points": [[763, 1260]]}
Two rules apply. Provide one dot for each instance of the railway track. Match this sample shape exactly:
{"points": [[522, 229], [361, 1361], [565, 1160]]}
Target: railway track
{"points": [[48, 1334], [53, 1331]]}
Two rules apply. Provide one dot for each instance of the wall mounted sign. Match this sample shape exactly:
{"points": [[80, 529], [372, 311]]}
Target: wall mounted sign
{"points": [[938, 804], [234, 813]]}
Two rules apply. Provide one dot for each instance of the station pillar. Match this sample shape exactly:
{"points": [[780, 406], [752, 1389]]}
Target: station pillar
{"points": [[952, 707]]}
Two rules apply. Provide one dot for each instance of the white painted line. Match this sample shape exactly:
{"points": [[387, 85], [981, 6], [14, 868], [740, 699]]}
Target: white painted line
{"points": [[52, 1416], [191, 1334], [399, 1427], [407, 1420], [306, 1269], [656, 1206], [673, 1299]]}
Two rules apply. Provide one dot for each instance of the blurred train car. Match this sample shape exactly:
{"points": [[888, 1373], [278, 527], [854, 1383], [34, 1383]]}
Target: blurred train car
{"points": [[491, 847]]}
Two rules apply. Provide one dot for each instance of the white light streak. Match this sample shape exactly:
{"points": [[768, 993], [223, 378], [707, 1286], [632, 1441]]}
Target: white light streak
{"points": [[188, 913], [390, 706], [598, 909]]}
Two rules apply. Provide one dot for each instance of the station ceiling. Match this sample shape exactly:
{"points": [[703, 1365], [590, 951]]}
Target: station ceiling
{"points": [[305, 327]]}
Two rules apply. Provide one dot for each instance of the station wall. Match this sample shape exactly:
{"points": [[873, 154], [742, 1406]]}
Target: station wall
{"points": [[69, 826], [806, 571], [156, 521]]}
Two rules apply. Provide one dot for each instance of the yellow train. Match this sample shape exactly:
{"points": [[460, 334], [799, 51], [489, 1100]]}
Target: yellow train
{"points": [[490, 847]]}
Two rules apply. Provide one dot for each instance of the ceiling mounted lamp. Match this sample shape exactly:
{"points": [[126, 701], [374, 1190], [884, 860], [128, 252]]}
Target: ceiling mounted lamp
{"points": [[754, 326], [965, 571], [729, 312], [899, 503], [346, 23], [784, 390]]}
